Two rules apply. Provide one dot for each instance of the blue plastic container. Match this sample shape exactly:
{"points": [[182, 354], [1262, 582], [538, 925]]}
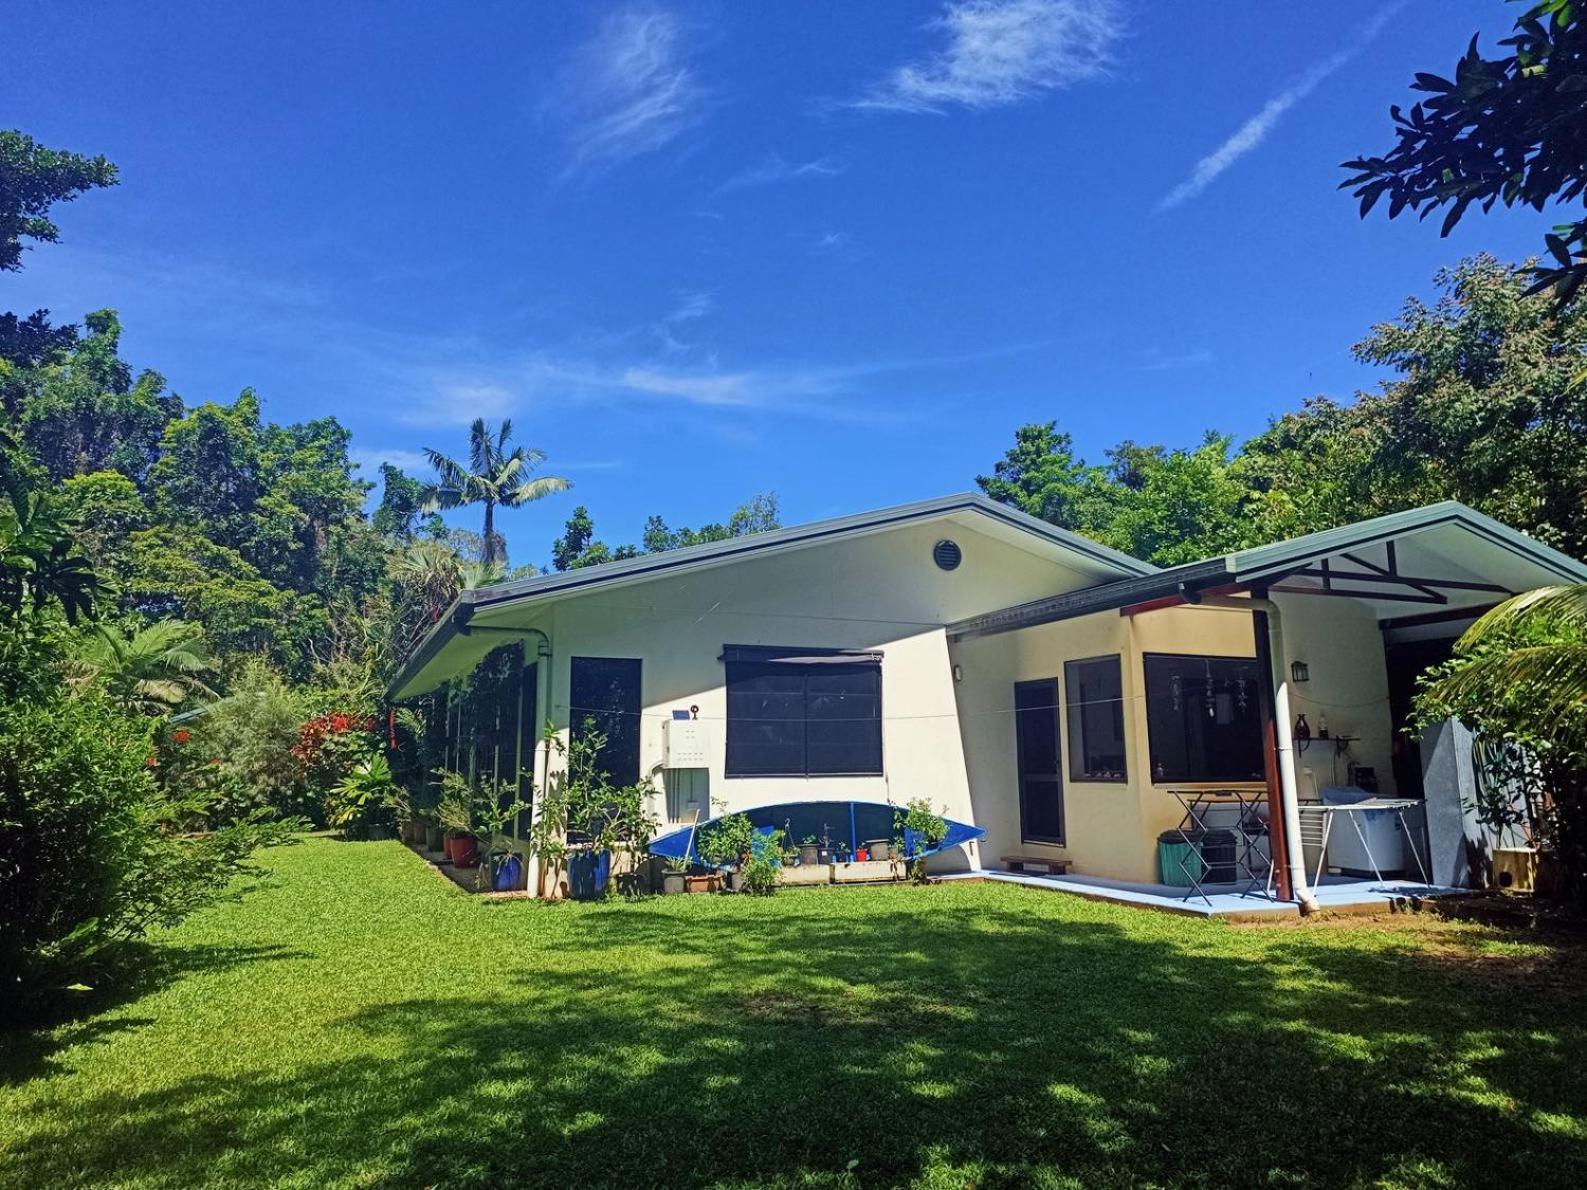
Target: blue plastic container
{"points": [[589, 872], [508, 875]]}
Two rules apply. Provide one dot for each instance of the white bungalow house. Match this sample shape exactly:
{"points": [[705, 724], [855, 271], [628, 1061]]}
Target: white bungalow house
{"points": [[1062, 696]]}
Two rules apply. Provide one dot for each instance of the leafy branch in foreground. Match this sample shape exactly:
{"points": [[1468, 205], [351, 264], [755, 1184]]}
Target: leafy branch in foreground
{"points": [[1510, 129]]}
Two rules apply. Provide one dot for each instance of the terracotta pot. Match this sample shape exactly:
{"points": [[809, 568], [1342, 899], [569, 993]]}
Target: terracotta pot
{"points": [[465, 851], [701, 884]]}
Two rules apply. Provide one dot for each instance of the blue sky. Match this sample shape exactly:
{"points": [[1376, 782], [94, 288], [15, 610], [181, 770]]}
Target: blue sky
{"points": [[701, 250]]}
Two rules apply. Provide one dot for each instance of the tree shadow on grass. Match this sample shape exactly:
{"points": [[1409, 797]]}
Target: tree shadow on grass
{"points": [[888, 1046], [31, 1037]]}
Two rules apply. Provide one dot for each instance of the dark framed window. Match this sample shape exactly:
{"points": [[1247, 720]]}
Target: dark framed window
{"points": [[803, 712], [603, 694], [1038, 755], [1094, 701], [1202, 718]]}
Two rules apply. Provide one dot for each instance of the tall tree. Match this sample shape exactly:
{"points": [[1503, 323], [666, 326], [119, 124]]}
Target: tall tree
{"points": [[493, 476], [32, 180], [1040, 475], [1510, 129]]}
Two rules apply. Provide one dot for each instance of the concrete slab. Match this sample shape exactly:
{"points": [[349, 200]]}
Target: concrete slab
{"points": [[1336, 894]]}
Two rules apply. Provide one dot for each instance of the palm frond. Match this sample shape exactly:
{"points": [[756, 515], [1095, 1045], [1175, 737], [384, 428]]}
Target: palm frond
{"points": [[1556, 607], [535, 489], [479, 446], [1554, 675]]}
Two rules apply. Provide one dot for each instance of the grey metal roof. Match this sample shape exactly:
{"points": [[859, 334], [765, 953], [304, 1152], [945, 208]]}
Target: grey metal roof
{"points": [[1276, 561], [694, 557]]}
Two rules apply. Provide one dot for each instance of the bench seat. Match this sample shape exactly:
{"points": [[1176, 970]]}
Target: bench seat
{"points": [[1040, 863]]}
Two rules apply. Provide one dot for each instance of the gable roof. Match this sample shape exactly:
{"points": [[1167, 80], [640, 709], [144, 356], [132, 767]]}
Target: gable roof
{"points": [[1459, 558], [1107, 563]]}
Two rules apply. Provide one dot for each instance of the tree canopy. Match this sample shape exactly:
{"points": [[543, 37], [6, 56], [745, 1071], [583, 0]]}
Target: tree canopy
{"points": [[32, 180], [1482, 407], [1510, 129]]}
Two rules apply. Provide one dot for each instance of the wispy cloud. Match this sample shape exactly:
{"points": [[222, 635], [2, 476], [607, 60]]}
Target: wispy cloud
{"points": [[692, 304], [1002, 51], [1157, 360], [775, 168], [1255, 130], [630, 90], [369, 459]]}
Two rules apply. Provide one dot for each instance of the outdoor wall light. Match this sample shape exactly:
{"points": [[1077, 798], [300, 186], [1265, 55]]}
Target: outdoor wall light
{"points": [[958, 673], [1299, 672]]}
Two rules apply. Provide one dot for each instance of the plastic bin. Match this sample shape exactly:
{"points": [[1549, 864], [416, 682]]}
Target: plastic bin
{"points": [[1210, 856], [1178, 858]]}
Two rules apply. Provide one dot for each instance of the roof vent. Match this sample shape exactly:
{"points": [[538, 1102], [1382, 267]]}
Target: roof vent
{"points": [[947, 555]]}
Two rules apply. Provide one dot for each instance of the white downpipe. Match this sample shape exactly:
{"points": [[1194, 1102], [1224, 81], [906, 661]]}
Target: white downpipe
{"points": [[1284, 741], [541, 773]]}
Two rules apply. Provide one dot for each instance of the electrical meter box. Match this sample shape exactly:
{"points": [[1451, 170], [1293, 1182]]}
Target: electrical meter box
{"points": [[684, 744]]}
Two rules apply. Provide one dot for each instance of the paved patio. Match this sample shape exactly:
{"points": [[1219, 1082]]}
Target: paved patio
{"points": [[1338, 894]]}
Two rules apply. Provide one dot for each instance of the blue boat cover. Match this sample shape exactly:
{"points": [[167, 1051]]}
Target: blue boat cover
{"points": [[848, 825]]}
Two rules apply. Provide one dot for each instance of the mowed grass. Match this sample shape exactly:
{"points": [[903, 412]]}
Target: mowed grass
{"points": [[359, 1022]]}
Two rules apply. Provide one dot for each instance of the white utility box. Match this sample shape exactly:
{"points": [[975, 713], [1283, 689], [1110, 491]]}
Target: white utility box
{"points": [[683, 744]]}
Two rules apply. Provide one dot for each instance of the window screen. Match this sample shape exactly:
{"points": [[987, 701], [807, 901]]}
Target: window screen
{"points": [[1202, 718], [1094, 697], [803, 712]]}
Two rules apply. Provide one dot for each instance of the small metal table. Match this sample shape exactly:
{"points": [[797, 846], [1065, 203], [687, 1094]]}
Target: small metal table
{"points": [[1251, 865], [1326, 813]]}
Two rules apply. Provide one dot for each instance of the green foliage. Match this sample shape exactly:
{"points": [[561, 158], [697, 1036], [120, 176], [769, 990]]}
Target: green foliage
{"points": [[492, 475], [242, 747], [107, 509], [1487, 408], [90, 852], [89, 414], [1510, 129], [582, 807], [761, 870], [728, 843], [578, 547], [1519, 679], [366, 800], [400, 515], [149, 671], [32, 180], [40, 565]]}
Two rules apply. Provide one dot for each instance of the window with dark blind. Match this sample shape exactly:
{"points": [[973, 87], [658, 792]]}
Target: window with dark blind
{"points": [[1202, 718], [604, 695], [803, 712], [1094, 700]]}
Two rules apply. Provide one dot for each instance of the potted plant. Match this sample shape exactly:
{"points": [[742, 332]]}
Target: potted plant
{"points": [[728, 846], [880, 849], [455, 812], [809, 850], [917, 828], [761, 868], [674, 879]]}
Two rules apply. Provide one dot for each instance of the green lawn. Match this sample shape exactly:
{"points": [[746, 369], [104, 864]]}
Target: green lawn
{"points": [[358, 1021]]}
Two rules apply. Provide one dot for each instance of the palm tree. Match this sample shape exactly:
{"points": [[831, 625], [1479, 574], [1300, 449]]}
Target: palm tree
{"points": [[152, 671], [492, 476], [1534, 646]]}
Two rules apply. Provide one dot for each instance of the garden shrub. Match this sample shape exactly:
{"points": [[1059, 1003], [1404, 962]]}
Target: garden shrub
{"points": [[89, 850]]}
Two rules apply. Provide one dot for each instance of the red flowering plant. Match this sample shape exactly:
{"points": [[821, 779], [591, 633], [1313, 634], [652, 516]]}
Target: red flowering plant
{"points": [[330, 744]]}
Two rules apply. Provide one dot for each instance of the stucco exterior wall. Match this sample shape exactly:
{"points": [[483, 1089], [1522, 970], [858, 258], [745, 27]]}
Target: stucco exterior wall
{"points": [[882, 593], [1342, 647], [1111, 829]]}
